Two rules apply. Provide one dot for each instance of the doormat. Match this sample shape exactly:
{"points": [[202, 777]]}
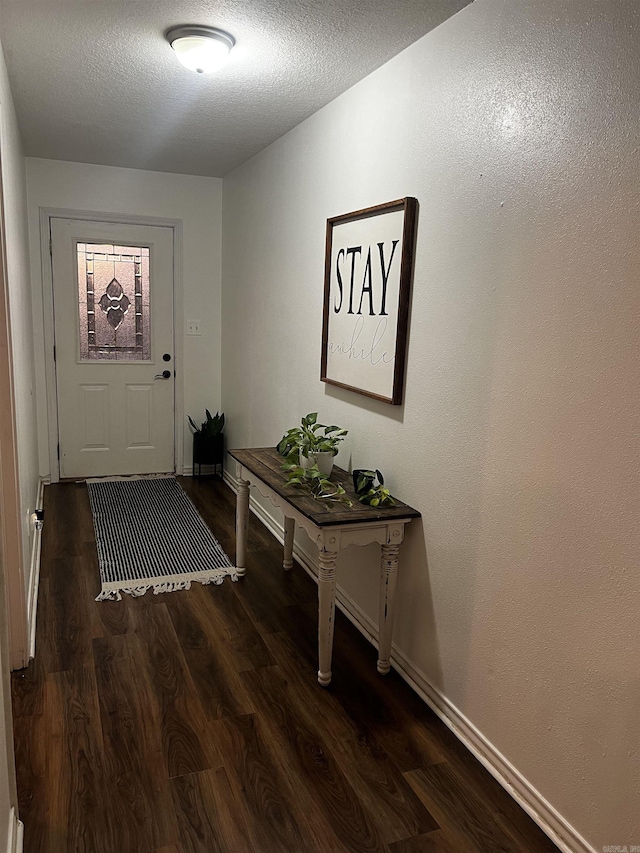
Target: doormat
{"points": [[150, 535]]}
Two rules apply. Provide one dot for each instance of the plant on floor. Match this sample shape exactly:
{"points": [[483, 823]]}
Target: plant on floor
{"points": [[315, 483], [210, 427], [310, 438], [208, 442], [369, 486]]}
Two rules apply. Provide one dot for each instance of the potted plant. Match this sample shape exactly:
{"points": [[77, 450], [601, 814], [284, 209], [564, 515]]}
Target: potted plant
{"points": [[208, 441], [369, 487], [312, 444]]}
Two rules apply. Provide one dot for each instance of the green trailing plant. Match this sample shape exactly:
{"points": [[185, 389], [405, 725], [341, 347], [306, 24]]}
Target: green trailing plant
{"points": [[369, 487], [309, 438], [210, 427], [315, 483]]}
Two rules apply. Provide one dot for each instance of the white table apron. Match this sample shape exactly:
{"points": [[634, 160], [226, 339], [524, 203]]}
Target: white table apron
{"points": [[330, 539]]}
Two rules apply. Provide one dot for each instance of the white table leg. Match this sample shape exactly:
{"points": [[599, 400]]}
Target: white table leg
{"points": [[326, 613], [388, 581], [289, 529], [242, 525]]}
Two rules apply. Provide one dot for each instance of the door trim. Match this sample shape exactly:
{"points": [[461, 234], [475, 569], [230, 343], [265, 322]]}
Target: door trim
{"points": [[46, 215], [12, 584]]}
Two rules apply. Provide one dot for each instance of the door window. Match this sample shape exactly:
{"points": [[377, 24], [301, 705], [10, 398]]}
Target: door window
{"points": [[113, 302]]}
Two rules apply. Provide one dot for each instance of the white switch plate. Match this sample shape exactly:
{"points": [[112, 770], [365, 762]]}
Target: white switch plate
{"points": [[193, 327]]}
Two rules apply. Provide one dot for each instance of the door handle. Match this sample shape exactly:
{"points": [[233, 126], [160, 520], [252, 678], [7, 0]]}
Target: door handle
{"points": [[166, 374]]}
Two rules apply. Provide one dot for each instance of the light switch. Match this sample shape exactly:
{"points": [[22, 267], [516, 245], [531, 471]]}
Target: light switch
{"points": [[193, 327]]}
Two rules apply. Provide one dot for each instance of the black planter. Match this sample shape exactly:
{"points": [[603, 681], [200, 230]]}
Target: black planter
{"points": [[370, 480], [208, 451], [360, 472]]}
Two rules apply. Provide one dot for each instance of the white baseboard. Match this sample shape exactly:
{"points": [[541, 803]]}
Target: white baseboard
{"points": [[529, 798], [34, 575], [187, 471], [15, 839]]}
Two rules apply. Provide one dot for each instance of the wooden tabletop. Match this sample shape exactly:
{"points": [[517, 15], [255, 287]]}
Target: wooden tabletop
{"points": [[266, 463]]}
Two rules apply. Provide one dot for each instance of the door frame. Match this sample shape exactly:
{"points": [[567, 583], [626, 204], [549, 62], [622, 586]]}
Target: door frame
{"points": [[13, 599], [46, 215]]}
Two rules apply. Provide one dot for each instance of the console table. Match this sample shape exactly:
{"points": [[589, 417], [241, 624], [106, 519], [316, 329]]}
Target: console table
{"points": [[333, 527]]}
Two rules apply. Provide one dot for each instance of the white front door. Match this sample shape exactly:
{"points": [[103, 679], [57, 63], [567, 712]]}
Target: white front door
{"points": [[113, 315]]}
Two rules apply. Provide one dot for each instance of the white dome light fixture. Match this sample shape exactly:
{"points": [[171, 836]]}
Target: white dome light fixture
{"points": [[201, 49]]}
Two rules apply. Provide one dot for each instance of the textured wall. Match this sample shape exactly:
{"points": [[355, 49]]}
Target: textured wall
{"points": [[197, 202], [516, 127]]}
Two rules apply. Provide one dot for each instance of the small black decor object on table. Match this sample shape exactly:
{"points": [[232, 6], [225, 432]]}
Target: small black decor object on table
{"points": [[208, 443], [369, 487]]}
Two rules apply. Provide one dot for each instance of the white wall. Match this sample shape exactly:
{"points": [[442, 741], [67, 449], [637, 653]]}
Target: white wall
{"points": [[194, 200], [18, 279], [516, 127]]}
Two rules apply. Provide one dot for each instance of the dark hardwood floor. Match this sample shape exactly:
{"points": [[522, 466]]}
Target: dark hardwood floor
{"points": [[192, 721]]}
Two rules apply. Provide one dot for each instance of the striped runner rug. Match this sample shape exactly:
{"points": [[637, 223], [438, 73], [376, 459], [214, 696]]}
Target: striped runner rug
{"points": [[150, 535]]}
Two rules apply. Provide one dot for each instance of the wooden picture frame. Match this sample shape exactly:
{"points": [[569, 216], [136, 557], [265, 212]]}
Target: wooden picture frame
{"points": [[368, 265]]}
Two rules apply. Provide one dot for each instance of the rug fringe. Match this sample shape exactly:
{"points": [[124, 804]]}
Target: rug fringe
{"points": [[167, 586]]}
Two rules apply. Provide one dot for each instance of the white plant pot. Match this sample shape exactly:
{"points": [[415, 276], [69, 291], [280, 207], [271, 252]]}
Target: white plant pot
{"points": [[323, 459]]}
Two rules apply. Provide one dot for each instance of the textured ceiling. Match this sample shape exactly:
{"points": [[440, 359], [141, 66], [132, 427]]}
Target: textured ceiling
{"points": [[94, 80]]}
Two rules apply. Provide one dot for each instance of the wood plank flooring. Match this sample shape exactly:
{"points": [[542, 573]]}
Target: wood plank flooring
{"points": [[191, 722]]}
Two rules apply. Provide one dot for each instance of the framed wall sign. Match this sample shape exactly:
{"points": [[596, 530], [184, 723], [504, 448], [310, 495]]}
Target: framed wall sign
{"points": [[367, 287]]}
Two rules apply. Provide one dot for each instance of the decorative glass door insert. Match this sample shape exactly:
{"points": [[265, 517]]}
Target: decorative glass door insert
{"points": [[113, 302]]}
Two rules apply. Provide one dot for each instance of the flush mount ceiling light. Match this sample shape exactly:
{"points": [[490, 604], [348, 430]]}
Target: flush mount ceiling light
{"points": [[201, 49]]}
